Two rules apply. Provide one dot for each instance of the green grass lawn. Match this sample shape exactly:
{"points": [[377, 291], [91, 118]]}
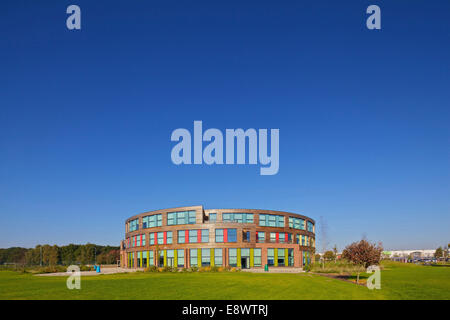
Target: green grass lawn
{"points": [[398, 281]]}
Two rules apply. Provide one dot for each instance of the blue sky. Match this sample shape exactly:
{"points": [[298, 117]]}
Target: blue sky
{"points": [[86, 116]]}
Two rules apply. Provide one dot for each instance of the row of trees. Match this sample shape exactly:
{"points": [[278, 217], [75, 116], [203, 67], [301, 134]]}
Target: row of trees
{"points": [[65, 255]]}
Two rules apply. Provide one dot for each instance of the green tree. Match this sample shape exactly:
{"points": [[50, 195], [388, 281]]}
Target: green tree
{"points": [[438, 253], [328, 255]]}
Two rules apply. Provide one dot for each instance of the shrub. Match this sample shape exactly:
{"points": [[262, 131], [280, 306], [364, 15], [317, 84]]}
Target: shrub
{"points": [[151, 269]]}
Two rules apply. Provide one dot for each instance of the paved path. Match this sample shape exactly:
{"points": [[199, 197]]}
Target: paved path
{"points": [[91, 273], [274, 270]]}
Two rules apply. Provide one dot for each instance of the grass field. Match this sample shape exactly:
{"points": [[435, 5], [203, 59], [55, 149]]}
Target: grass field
{"points": [[398, 281]]}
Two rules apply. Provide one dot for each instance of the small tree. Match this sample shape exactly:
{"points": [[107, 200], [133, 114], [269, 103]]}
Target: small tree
{"points": [[335, 251], [438, 253], [363, 253], [328, 255]]}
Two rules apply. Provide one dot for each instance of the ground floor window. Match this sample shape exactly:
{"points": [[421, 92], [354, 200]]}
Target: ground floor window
{"points": [[170, 258], [206, 257], [218, 261], [144, 259], [193, 257], [281, 257], [161, 258], [270, 256], [180, 258], [257, 257], [290, 257], [232, 255], [151, 258]]}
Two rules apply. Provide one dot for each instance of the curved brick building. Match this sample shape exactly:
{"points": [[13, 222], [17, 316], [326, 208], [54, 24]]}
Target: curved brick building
{"points": [[192, 236]]}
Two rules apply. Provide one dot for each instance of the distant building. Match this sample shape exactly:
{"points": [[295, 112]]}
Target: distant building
{"points": [[404, 254]]}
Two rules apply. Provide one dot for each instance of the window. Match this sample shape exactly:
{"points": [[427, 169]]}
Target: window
{"points": [[206, 257], [143, 239], [182, 217], [261, 236], [152, 221], [257, 257], [134, 225], [310, 226], [151, 260], [290, 257], [232, 254], [160, 237], [144, 259], [161, 258], [193, 256], [170, 258], [270, 256], [246, 236], [281, 261], [212, 217], [218, 257], [232, 235], [193, 236], [271, 220], [273, 237], [180, 258], [169, 237], [152, 238], [181, 236], [281, 237], [296, 223], [303, 240], [205, 235], [289, 237], [219, 235], [237, 217]]}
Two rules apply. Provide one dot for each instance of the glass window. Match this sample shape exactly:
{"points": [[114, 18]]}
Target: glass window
{"points": [[270, 256], [296, 223], [218, 257], [219, 235], [191, 219], [171, 219], [281, 257], [271, 220], [181, 236], [192, 236], [238, 217], [134, 225], [232, 235], [261, 236], [257, 257], [180, 258], [143, 239], [205, 235], [169, 237], [232, 254], [273, 237], [226, 217], [151, 260], [246, 236], [160, 237], [281, 237], [206, 257], [181, 217], [170, 257], [212, 217], [161, 258], [310, 226], [290, 257], [152, 238], [245, 252], [193, 256], [280, 221]]}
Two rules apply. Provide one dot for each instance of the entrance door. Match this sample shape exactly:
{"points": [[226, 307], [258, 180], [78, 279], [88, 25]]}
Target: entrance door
{"points": [[245, 263], [170, 262]]}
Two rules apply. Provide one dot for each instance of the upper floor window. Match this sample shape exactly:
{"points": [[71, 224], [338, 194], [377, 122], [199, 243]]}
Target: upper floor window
{"points": [[134, 225], [226, 235], [181, 217], [271, 220], [296, 223], [152, 221], [261, 236], [310, 226], [237, 217], [212, 217]]}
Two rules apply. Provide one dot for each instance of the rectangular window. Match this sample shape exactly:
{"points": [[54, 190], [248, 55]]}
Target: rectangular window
{"points": [[212, 217], [152, 221], [281, 257], [271, 220], [310, 226], [237, 217], [296, 223], [206, 257], [143, 239], [181, 236], [232, 254], [180, 258], [246, 236], [192, 236], [270, 256], [191, 217], [151, 260], [219, 235], [205, 235], [273, 237], [193, 257], [152, 238], [232, 235], [134, 225], [170, 258], [181, 217], [281, 237], [261, 236], [171, 218], [218, 257], [160, 237], [290, 257], [257, 257], [169, 237]]}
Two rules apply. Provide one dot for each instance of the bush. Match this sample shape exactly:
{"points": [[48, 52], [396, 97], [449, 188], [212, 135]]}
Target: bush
{"points": [[193, 269], [151, 269]]}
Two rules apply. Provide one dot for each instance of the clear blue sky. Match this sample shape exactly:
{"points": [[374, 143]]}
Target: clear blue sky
{"points": [[86, 116]]}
